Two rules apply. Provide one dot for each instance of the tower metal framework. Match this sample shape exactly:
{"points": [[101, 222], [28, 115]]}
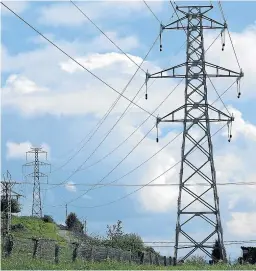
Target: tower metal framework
{"points": [[7, 194], [200, 207], [36, 175]]}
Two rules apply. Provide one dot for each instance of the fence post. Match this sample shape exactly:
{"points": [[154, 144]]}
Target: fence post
{"points": [[165, 263], [150, 258], [142, 258], [170, 260], [74, 256], [174, 261], [92, 254], [107, 253], [119, 255], [8, 245], [35, 247], [130, 257], [157, 260], [56, 254]]}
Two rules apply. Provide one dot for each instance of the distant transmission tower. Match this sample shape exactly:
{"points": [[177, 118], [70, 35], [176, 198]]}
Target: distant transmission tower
{"points": [[7, 195], [199, 215], [36, 175]]}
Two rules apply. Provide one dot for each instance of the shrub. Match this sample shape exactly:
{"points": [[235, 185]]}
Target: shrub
{"points": [[48, 219], [17, 227]]}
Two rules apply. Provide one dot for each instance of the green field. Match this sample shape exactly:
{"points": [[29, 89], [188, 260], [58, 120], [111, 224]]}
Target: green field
{"points": [[29, 264], [34, 227]]}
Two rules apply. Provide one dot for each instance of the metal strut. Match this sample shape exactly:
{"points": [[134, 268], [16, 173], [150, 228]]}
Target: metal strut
{"points": [[201, 207]]}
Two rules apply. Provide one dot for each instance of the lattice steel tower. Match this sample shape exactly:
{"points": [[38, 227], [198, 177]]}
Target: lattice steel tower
{"points": [[36, 175], [198, 208]]}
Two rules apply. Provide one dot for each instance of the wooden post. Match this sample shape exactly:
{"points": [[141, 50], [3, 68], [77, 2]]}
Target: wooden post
{"points": [[56, 254], [174, 261], [74, 256], [157, 259], [130, 257], [35, 247], [150, 258], [92, 254], [170, 260], [107, 253], [8, 246], [119, 255], [141, 257], [165, 263]]}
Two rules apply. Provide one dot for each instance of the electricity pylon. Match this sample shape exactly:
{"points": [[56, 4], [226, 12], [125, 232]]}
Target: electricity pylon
{"points": [[202, 207], [7, 195], [36, 175]]}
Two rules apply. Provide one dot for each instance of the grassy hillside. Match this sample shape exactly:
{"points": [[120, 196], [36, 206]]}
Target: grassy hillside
{"points": [[35, 227]]}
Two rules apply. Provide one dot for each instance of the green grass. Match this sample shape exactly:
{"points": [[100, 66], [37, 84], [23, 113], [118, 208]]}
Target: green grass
{"points": [[35, 227], [30, 264]]}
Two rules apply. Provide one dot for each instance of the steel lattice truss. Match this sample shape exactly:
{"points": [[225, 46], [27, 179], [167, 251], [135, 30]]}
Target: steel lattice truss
{"points": [[36, 175], [7, 194], [202, 207]]}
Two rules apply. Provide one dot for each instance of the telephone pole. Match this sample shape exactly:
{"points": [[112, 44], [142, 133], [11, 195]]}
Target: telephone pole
{"points": [[6, 199], [200, 215], [36, 175]]}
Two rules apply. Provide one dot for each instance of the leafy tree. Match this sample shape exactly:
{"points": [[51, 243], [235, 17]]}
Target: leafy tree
{"points": [[15, 206], [48, 219], [115, 231], [73, 223], [216, 252]]}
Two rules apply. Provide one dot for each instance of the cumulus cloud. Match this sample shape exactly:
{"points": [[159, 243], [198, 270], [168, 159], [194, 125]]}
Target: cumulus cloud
{"points": [[242, 224], [66, 15], [19, 84], [16, 6], [18, 150]]}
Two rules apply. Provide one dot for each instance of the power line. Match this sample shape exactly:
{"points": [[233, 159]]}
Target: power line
{"points": [[106, 35], [222, 12], [94, 75], [142, 186], [152, 11], [122, 115], [139, 125], [127, 195], [121, 94]]}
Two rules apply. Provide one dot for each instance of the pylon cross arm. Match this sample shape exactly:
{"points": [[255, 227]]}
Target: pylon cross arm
{"points": [[176, 72], [221, 116]]}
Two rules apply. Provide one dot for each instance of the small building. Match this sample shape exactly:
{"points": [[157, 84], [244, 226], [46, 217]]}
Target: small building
{"points": [[249, 255]]}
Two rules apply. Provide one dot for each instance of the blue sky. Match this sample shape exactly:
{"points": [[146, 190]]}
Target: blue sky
{"points": [[47, 100]]}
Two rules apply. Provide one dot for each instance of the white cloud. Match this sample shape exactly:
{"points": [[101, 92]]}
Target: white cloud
{"points": [[242, 224], [65, 14], [16, 6], [21, 85], [99, 61], [18, 150], [70, 186]]}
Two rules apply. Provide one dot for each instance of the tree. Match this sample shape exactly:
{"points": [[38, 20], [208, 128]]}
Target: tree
{"points": [[48, 219], [15, 206], [115, 230], [73, 223], [216, 252]]}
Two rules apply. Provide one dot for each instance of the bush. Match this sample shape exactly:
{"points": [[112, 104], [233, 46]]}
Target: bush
{"points": [[48, 219], [18, 227], [15, 206], [74, 224]]}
